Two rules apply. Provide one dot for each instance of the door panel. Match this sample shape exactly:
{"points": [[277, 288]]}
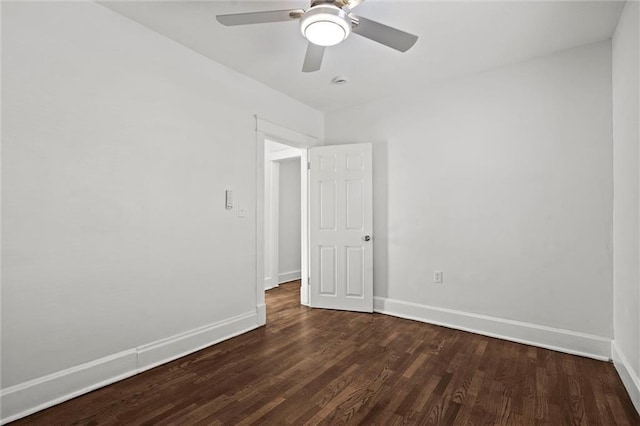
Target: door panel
{"points": [[340, 202], [355, 207], [328, 271], [355, 272], [328, 200]]}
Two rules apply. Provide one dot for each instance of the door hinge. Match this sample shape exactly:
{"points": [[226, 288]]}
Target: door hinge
{"points": [[308, 165]]}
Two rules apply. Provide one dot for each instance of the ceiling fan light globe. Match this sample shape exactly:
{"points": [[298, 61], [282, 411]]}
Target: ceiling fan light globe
{"points": [[325, 33], [325, 25]]}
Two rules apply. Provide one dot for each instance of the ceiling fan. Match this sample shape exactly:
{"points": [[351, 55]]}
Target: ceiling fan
{"points": [[327, 23]]}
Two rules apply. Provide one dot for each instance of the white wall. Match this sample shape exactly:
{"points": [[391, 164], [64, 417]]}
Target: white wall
{"points": [[626, 213], [118, 145], [289, 221], [503, 180]]}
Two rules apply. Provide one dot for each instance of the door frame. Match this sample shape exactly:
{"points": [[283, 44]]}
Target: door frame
{"points": [[267, 130]]}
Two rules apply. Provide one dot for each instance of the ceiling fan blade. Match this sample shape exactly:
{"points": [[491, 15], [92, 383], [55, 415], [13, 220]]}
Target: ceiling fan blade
{"points": [[384, 34], [313, 58], [259, 17]]}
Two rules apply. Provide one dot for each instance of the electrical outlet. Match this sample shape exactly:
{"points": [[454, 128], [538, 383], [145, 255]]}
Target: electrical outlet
{"points": [[438, 277]]}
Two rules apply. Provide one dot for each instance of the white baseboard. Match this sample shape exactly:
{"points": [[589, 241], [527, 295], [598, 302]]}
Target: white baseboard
{"points": [[271, 282], [530, 334], [285, 277], [629, 377], [165, 350], [304, 293], [261, 311], [26, 398]]}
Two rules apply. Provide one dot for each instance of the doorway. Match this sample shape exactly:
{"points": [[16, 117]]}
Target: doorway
{"points": [[339, 228], [267, 131], [283, 201]]}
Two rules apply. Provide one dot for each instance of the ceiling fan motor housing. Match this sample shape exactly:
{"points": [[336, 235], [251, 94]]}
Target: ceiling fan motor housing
{"points": [[325, 24], [337, 3]]}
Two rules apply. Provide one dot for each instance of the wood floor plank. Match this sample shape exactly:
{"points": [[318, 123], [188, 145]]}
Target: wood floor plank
{"points": [[313, 366]]}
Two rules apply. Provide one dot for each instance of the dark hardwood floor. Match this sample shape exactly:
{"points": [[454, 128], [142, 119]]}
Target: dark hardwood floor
{"points": [[310, 366]]}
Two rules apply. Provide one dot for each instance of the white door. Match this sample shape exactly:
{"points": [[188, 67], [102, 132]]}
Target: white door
{"points": [[341, 221]]}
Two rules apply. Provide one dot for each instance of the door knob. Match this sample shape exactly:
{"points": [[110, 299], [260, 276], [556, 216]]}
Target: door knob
{"points": [[367, 237]]}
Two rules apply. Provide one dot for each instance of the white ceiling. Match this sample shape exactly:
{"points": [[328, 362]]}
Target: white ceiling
{"points": [[456, 38]]}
